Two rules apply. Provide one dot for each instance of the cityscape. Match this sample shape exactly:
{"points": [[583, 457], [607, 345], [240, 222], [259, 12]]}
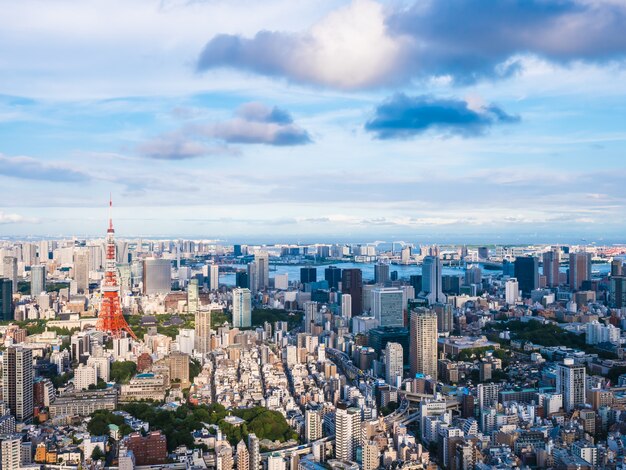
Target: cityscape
{"points": [[312, 234]]}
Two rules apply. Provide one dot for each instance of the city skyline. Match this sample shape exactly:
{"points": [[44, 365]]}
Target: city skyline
{"points": [[324, 119]]}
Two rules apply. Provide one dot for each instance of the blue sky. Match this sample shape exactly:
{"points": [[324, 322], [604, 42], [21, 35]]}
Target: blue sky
{"points": [[314, 119]]}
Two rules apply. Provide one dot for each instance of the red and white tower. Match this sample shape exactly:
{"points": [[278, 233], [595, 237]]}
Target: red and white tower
{"points": [[110, 318]]}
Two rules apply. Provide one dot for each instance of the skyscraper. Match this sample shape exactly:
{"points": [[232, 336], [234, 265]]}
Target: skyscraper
{"points": [[37, 279], [193, 296], [6, 299], [157, 276], [9, 270], [381, 273], [432, 268], [346, 306], [312, 424], [11, 452], [262, 261], [241, 279], [81, 271], [570, 382], [445, 319], [255, 451], [511, 291], [352, 283], [332, 274], [253, 277], [202, 336], [308, 274], [242, 308], [394, 361], [214, 277], [347, 431], [387, 306], [527, 274], [579, 269], [423, 342], [17, 381], [551, 264]]}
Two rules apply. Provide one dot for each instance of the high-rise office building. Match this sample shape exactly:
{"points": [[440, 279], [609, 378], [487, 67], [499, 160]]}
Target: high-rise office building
{"points": [[394, 361], [242, 308], [347, 431], [617, 267], [37, 279], [571, 383], [381, 273], [157, 276], [617, 292], [81, 271], [352, 283], [332, 275], [473, 275], [253, 277], [511, 291], [9, 270], [423, 342], [346, 306], [6, 299], [262, 262], [193, 296], [307, 275], [579, 269], [432, 268], [445, 319], [527, 274], [202, 333], [214, 277], [551, 265], [17, 381], [241, 279], [387, 306]]}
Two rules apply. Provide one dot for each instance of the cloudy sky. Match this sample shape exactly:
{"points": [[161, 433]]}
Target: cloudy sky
{"points": [[327, 119]]}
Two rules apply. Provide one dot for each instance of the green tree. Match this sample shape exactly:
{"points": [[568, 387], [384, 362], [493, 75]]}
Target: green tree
{"points": [[122, 371], [97, 454]]}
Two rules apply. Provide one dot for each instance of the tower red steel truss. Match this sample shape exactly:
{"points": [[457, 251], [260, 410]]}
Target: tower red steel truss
{"points": [[110, 318]]}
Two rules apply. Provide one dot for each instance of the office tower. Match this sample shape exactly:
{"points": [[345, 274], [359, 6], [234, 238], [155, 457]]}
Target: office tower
{"points": [[405, 255], [579, 269], [9, 270], [37, 279], [570, 382], [423, 342], [255, 451], [237, 251], [6, 299], [262, 262], [214, 277], [307, 275], [346, 306], [352, 283], [445, 320], [157, 276], [394, 360], [241, 279], [432, 268], [312, 424], [242, 308], [281, 281], [11, 452], [381, 273], [243, 456], [551, 265], [17, 381], [473, 275], [193, 296], [508, 268], [202, 333], [84, 376], [617, 292], [253, 277], [347, 431], [483, 253], [617, 266], [332, 275], [81, 271], [527, 274], [415, 280], [387, 306], [511, 291]]}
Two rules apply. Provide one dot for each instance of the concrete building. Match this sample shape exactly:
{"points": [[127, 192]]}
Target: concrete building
{"points": [[394, 357], [81, 271], [17, 381], [157, 276], [423, 342], [432, 287], [388, 306], [571, 383], [9, 270], [37, 279], [242, 308], [347, 431]]}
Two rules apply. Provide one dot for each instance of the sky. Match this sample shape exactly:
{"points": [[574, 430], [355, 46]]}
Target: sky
{"points": [[303, 120]]}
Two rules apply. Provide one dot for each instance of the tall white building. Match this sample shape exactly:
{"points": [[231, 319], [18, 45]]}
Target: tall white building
{"points": [[17, 381], [11, 452], [242, 308], [84, 376], [347, 431], [432, 268], [312, 424], [157, 276], [214, 277], [37, 279], [9, 270], [193, 296], [570, 382], [394, 357], [275, 462], [346, 306], [81, 271], [202, 333], [511, 291], [597, 332], [387, 306]]}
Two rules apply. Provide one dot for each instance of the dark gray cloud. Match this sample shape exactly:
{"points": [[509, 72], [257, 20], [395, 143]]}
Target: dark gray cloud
{"points": [[403, 117], [33, 169], [463, 39]]}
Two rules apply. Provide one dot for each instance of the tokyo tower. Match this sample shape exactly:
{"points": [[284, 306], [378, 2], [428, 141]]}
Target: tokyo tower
{"points": [[110, 318]]}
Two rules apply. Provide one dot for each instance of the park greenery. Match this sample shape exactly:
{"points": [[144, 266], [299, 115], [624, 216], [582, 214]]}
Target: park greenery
{"points": [[179, 425], [122, 371]]}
